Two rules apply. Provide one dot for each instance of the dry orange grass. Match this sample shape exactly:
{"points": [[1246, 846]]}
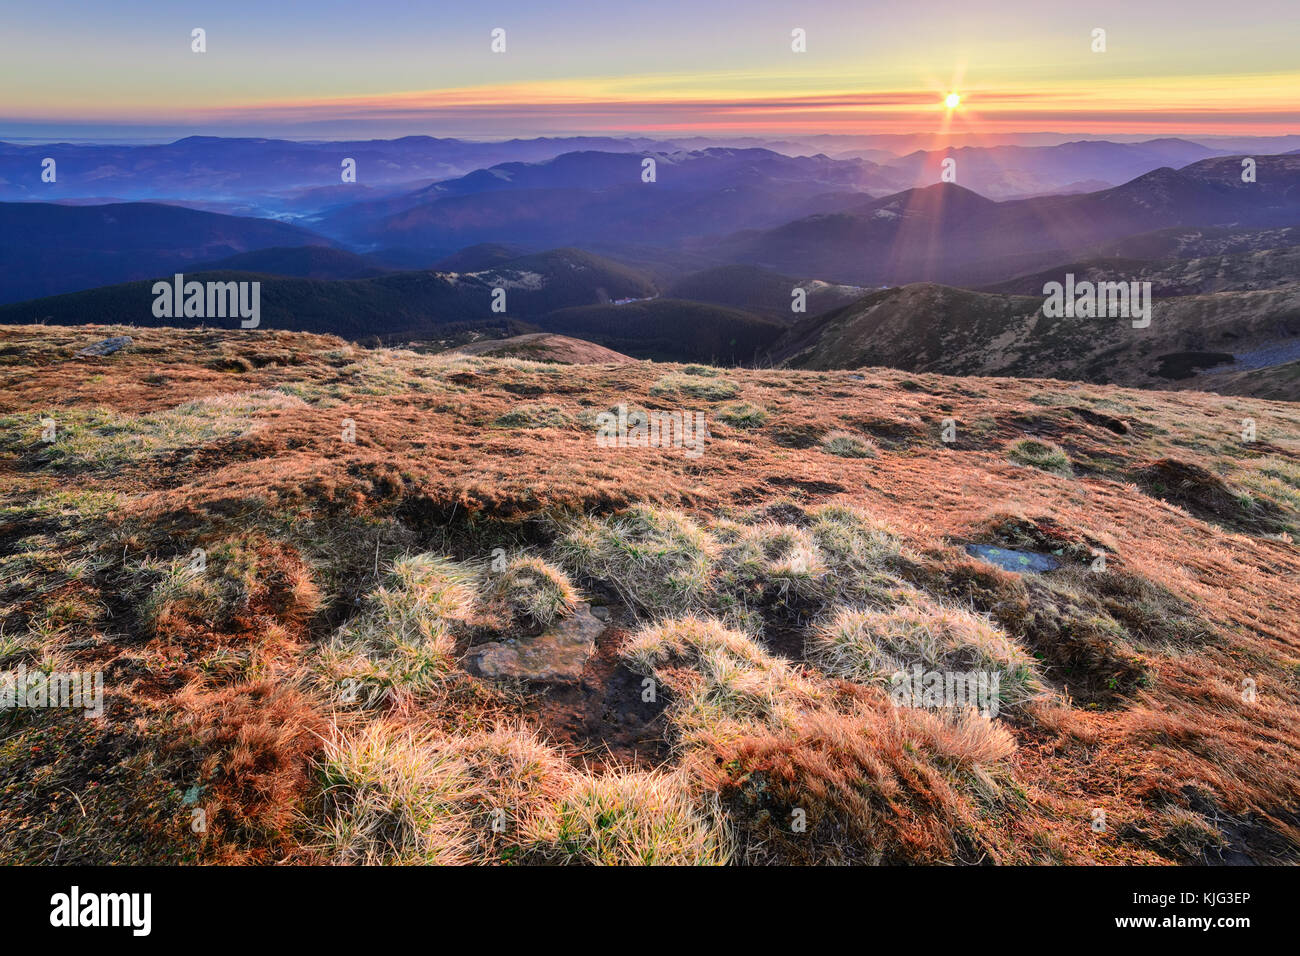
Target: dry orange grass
{"points": [[1174, 671], [871, 785], [250, 750]]}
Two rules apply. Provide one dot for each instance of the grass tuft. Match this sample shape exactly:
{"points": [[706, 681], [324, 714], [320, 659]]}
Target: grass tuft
{"points": [[1045, 455], [709, 389], [743, 415], [533, 416], [534, 590], [402, 644], [870, 646], [732, 678], [847, 445], [649, 818], [655, 558]]}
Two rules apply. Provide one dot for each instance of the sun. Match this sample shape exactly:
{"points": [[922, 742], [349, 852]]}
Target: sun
{"points": [[952, 100]]}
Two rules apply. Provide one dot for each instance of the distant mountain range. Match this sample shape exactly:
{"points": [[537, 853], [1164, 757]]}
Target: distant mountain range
{"points": [[287, 178], [1009, 172], [598, 196], [804, 216], [703, 259], [215, 168], [47, 248], [947, 233]]}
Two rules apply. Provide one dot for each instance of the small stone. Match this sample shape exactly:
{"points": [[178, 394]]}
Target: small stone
{"points": [[106, 346], [557, 655]]}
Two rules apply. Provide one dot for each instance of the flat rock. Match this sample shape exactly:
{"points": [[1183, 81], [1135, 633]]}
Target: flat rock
{"points": [[107, 346], [557, 655], [1012, 560]]}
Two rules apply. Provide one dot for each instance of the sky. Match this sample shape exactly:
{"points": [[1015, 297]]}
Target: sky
{"points": [[329, 69]]}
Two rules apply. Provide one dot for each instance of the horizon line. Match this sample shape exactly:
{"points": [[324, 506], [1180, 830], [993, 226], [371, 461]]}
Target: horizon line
{"points": [[109, 137]]}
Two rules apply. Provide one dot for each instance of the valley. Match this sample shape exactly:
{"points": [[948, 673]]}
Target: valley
{"points": [[740, 256]]}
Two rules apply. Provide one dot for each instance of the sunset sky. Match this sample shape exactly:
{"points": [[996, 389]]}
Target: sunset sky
{"points": [[330, 69]]}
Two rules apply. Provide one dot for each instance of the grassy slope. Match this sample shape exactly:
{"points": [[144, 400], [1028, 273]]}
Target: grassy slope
{"points": [[544, 347], [1277, 381], [934, 328], [232, 442], [758, 290], [1239, 272]]}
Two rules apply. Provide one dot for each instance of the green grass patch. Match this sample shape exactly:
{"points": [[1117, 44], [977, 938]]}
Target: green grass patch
{"points": [[1044, 455], [713, 389], [533, 416], [743, 415]]}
